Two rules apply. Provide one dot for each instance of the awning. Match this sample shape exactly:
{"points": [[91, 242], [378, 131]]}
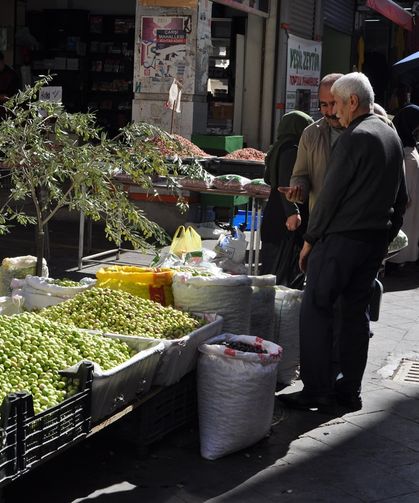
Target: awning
{"points": [[408, 68], [392, 11]]}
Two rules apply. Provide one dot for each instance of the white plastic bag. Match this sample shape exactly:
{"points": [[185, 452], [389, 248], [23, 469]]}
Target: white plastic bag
{"points": [[228, 296], [236, 393], [235, 183], [287, 331], [232, 246]]}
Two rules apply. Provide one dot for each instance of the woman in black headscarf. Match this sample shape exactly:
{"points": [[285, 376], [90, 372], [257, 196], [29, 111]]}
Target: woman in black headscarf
{"points": [[280, 246], [406, 122]]}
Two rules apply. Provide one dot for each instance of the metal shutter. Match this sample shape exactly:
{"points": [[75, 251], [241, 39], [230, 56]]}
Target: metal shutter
{"points": [[302, 13], [339, 15]]}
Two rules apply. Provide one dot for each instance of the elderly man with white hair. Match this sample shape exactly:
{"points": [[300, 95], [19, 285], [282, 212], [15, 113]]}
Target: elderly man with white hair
{"points": [[358, 212]]}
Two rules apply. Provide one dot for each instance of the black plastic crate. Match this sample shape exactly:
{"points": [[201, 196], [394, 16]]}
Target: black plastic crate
{"points": [[45, 434], [172, 407], [9, 439], [249, 169]]}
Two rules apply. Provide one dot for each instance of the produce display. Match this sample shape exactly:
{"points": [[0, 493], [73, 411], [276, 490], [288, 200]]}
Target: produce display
{"points": [[246, 154], [202, 181], [242, 346], [186, 148], [120, 312], [33, 350], [64, 282], [230, 182], [189, 149], [258, 187]]}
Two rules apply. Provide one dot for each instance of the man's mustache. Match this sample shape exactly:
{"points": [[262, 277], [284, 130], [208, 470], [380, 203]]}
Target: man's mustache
{"points": [[332, 117]]}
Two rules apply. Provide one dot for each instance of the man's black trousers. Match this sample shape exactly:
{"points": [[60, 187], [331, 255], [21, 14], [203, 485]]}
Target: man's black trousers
{"points": [[338, 266]]}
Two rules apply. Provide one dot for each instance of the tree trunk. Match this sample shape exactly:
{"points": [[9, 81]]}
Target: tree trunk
{"points": [[40, 243]]}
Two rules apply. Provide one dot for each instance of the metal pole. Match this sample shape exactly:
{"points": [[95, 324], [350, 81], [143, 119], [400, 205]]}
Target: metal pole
{"points": [[257, 245], [81, 240], [252, 235]]}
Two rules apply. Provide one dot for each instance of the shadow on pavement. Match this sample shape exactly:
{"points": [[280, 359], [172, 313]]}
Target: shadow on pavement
{"points": [[171, 466], [371, 455], [403, 278]]}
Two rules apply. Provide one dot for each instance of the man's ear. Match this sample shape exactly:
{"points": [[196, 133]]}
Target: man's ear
{"points": [[353, 102]]}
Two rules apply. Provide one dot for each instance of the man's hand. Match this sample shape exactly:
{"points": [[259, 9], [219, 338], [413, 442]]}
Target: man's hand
{"points": [[293, 194], [304, 254], [293, 222]]}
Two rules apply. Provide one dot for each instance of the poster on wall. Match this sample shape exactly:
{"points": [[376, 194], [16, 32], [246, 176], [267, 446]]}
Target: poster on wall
{"points": [[303, 75], [163, 51]]}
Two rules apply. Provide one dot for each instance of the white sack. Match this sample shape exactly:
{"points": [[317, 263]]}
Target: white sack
{"points": [[262, 306], [236, 393], [11, 305], [287, 331], [39, 292], [18, 267], [225, 295]]}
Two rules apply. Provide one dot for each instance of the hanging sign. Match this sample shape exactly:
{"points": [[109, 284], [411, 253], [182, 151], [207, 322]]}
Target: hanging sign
{"points": [[190, 4], [303, 75]]}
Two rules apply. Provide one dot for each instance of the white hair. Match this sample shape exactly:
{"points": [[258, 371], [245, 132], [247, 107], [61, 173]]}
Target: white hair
{"points": [[354, 83]]}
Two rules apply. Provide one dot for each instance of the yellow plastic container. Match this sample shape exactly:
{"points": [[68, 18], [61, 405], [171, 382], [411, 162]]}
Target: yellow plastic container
{"points": [[145, 282]]}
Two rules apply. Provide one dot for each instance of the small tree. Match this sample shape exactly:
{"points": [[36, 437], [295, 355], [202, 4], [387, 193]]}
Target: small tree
{"points": [[59, 159]]}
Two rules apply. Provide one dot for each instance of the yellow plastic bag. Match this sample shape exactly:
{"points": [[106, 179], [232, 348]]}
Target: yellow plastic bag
{"points": [[145, 282], [185, 241]]}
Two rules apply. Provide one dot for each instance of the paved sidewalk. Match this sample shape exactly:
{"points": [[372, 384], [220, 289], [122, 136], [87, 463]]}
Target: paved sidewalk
{"points": [[368, 456]]}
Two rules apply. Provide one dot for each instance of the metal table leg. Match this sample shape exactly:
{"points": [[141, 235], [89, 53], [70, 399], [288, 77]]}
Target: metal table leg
{"points": [[81, 240], [257, 241], [252, 235]]}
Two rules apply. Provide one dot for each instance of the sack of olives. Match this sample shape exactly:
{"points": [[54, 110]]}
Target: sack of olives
{"points": [[236, 392]]}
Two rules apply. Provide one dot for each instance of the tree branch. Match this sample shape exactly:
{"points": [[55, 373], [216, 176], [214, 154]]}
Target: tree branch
{"points": [[59, 205]]}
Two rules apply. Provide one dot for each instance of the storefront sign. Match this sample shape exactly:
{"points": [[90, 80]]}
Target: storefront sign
{"points": [[303, 74], [191, 4], [163, 50], [51, 93]]}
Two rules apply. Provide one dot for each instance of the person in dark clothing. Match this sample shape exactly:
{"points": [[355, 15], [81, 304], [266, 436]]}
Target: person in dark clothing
{"points": [[359, 211], [9, 81], [280, 246], [9, 84]]}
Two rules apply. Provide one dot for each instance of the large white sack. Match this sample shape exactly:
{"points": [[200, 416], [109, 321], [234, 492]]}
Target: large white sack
{"points": [[39, 292], [262, 306], [287, 331], [225, 295], [236, 394], [11, 305], [18, 267]]}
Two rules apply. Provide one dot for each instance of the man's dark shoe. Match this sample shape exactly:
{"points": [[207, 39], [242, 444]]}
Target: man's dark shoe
{"points": [[350, 401], [303, 401]]}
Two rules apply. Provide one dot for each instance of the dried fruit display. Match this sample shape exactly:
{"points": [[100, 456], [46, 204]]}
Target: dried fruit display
{"points": [[184, 147], [246, 154]]}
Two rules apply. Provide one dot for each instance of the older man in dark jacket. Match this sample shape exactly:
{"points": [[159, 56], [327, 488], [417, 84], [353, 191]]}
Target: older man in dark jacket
{"points": [[358, 212]]}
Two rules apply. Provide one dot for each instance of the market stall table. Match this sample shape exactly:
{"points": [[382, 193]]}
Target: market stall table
{"points": [[211, 196]]}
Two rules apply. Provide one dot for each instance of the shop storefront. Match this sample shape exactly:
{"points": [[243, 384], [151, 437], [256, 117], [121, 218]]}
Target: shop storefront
{"points": [[218, 67]]}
